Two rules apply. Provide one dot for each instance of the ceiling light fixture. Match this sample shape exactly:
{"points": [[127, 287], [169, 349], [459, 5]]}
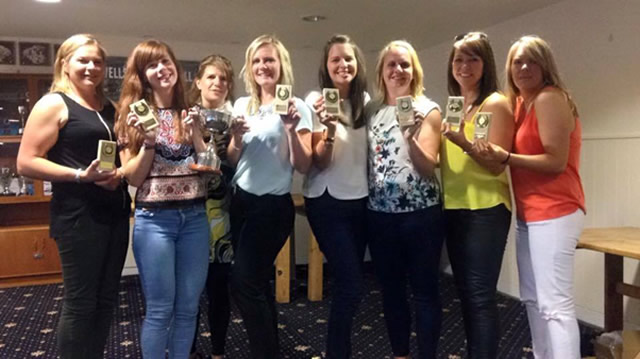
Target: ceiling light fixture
{"points": [[49, 1], [313, 18]]}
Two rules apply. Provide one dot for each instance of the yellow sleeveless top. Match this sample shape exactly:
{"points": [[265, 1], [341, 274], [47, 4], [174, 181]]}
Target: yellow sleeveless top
{"points": [[465, 183]]}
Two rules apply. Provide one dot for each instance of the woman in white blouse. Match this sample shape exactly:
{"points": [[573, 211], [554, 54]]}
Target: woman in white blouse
{"points": [[335, 189]]}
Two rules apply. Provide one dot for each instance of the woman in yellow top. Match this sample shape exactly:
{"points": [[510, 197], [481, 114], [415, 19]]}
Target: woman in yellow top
{"points": [[476, 192]]}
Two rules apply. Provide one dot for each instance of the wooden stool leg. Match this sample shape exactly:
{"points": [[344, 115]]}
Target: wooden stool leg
{"points": [[283, 275], [314, 289]]}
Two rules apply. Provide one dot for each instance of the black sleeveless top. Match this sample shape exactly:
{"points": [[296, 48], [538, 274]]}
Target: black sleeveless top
{"points": [[77, 147]]}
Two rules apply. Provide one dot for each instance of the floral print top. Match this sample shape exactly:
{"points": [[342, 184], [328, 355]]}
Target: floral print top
{"points": [[394, 185], [170, 183]]}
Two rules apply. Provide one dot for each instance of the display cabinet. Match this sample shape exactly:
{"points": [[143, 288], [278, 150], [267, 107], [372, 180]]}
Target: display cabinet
{"points": [[27, 254]]}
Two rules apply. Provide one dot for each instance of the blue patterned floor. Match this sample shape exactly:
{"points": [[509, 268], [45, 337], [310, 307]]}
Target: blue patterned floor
{"points": [[28, 317]]}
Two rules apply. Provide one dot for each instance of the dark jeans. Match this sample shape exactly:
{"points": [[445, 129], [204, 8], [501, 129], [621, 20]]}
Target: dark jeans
{"points": [[408, 245], [92, 254], [340, 228], [260, 226], [219, 309], [476, 240]]}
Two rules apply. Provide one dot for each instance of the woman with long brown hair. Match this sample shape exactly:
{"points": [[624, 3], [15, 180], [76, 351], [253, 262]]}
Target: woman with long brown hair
{"points": [[170, 233], [89, 208], [335, 188], [477, 202]]}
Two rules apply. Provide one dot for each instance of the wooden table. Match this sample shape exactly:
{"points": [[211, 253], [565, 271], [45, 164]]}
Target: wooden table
{"points": [[283, 264], [615, 243]]}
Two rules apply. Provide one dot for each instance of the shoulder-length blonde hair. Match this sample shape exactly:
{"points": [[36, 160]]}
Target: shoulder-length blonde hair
{"points": [[61, 81], [136, 87], [250, 85], [540, 53], [221, 63], [416, 87]]}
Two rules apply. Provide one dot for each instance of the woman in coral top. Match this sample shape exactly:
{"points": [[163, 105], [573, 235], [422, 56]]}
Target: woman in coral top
{"points": [[548, 191]]}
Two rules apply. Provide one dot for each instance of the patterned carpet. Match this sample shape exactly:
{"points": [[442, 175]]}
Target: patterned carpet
{"points": [[28, 317]]}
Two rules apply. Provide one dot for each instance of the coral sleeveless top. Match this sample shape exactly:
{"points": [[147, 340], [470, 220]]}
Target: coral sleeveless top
{"points": [[541, 196]]}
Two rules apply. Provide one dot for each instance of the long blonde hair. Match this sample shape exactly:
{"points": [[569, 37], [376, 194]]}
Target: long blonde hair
{"points": [[250, 85], [540, 53], [61, 82], [416, 87]]}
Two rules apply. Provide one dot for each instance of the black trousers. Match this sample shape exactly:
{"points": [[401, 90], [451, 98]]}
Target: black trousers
{"points": [[92, 254], [219, 309], [476, 240], [405, 248], [260, 226], [340, 227]]}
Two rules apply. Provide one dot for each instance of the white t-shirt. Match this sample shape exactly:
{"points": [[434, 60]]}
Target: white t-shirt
{"points": [[264, 166], [346, 176]]}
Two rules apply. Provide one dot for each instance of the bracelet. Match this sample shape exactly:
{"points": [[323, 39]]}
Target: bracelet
{"points": [[148, 146], [77, 176], [120, 172], [506, 159], [330, 140]]}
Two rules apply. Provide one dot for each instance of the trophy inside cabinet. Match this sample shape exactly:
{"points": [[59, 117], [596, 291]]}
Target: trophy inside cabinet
{"points": [[26, 251]]}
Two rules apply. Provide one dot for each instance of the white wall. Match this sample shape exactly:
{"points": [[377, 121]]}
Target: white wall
{"points": [[597, 47]]}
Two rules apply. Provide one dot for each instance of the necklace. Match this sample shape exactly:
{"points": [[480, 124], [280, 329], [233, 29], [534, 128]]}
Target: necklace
{"points": [[468, 109]]}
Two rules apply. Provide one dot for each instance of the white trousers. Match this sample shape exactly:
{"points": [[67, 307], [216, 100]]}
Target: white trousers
{"points": [[545, 251]]}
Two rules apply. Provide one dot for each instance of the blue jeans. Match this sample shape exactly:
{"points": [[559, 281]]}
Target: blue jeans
{"points": [[171, 248], [340, 228], [475, 242], [408, 245]]}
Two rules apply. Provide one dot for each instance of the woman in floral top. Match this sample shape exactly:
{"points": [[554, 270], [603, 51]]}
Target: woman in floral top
{"points": [[404, 217], [171, 232]]}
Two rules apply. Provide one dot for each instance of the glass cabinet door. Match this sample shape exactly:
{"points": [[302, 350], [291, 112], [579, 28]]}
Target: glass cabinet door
{"points": [[14, 105], [18, 94]]}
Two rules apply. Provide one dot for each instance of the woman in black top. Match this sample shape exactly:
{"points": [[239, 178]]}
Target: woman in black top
{"points": [[89, 208]]}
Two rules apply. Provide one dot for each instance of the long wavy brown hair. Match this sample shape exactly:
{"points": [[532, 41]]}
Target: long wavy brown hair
{"points": [[474, 43], [136, 87]]}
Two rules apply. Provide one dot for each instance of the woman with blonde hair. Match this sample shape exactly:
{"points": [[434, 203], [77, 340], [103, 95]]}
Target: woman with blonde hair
{"points": [[211, 93], [477, 202], [171, 231], [404, 207], [548, 192], [265, 148], [89, 208]]}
